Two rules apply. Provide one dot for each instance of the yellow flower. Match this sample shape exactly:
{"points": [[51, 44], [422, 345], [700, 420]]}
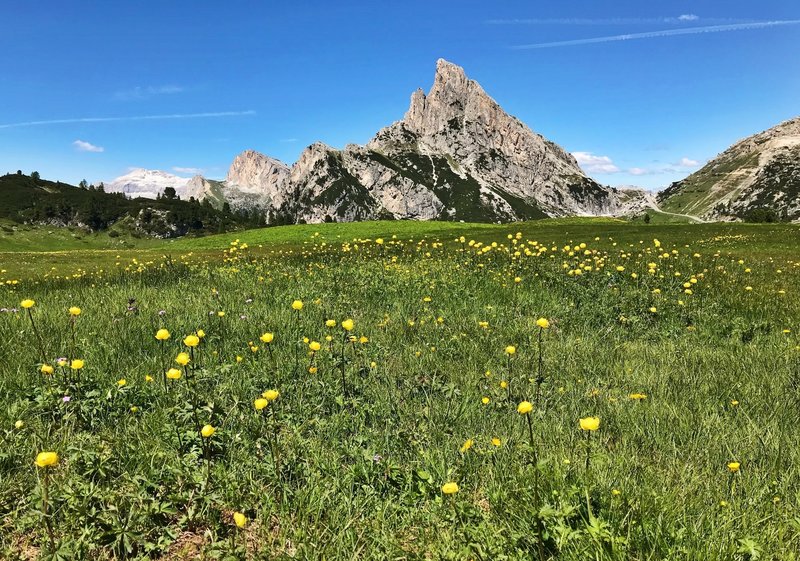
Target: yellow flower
{"points": [[616, 492], [314, 346], [297, 305], [363, 340], [638, 396], [450, 488], [240, 519], [379, 241], [267, 337], [77, 364], [348, 325], [162, 335], [19, 424], [590, 423], [201, 333], [653, 310], [191, 340], [45, 459], [270, 395], [122, 382], [27, 304], [74, 311], [467, 445], [543, 323], [524, 407], [220, 314], [46, 369], [504, 384], [485, 400], [733, 467], [312, 369], [330, 323], [174, 374], [148, 378], [511, 349], [182, 359], [207, 431], [260, 403], [734, 402], [496, 442]]}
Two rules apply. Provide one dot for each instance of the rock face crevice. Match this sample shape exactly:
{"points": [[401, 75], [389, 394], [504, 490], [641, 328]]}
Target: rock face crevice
{"points": [[455, 155]]}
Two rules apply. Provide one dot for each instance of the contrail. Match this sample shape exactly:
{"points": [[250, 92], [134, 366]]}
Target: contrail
{"points": [[664, 33], [135, 118]]}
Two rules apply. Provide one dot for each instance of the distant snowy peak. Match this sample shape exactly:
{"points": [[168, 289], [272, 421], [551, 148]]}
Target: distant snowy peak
{"points": [[148, 183]]}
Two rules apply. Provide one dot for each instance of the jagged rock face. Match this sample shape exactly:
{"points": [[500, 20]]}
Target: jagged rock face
{"points": [[760, 174], [253, 172]]}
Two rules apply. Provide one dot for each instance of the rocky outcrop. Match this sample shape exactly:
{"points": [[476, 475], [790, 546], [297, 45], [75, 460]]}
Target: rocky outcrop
{"points": [[756, 178]]}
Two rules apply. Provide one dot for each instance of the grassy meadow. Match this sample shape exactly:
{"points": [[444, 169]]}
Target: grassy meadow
{"points": [[561, 389]]}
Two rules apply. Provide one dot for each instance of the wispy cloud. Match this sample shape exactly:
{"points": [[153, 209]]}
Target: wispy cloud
{"points": [[662, 33], [83, 146], [681, 166], [192, 171], [288, 140], [211, 115], [683, 18], [140, 92], [688, 163], [592, 163]]}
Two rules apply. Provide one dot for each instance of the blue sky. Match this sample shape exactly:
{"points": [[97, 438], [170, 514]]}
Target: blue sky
{"points": [[694, 77]]}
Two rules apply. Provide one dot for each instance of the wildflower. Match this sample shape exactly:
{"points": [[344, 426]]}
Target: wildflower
{"points": [[267, 337], [19, 424], [27, 304], [270, 395], [616, 492], [174, 374], [162, 335], [182, 359], [312, 369], [240, 519], [450, 488], [590, 423], [638, 396], [503, 384], [524, 407], [122, 382], [201, 333], [543, 323], [330, 323], [496, 442], [467, 445], [314, 346], [76, 364], [485, 400], [45, 459], [511, 349], [207, 431], [297, 305], [46, 369], [74, 311], [260, 403], [733, 467], [348, 325], [148, 378], [191, 340]]}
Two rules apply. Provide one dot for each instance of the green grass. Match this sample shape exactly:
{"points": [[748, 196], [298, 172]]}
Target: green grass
{"points": [[355, 470]]}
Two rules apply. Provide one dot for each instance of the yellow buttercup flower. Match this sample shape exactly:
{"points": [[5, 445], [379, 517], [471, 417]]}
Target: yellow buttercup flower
{"points": [[590, 423], [74, 311], [162, 335], [77, 364], [260, 403], [46, 369], [122, 382], [485, 400], [348, 325], [27, 304], [173, 374], [330, 323], [207, 431], [240, 519], [511, 349], [191, 340], [182, 359], [201, 333], [267, 337], [270, 395], [467, 445], [733, 467], [543, 323], [314, 346], [496, 442], [638, 396], [46, 459], [148, 378], [297, 305], [450, 488], [524, 407]]}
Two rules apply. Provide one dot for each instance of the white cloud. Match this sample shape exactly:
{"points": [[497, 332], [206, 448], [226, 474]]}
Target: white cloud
{"points": [[136, 118], [140, 92], [288, 140], [83, 146], [193, 171], [688, 17], [638, 171], [592, 163], [688, 163]]}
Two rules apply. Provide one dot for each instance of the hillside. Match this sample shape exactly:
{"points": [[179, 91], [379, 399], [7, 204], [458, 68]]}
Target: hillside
{"points": [[757, 179], [26, 199]]}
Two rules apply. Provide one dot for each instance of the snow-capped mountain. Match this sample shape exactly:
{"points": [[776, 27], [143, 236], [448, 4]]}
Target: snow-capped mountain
{"points": [[148, 184]]}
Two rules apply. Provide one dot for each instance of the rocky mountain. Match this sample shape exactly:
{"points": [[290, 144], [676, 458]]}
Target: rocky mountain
{"points": [[455, 155], [756, 178], [148, 184]]}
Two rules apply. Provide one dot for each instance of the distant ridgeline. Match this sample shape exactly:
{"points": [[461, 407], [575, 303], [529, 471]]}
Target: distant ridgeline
{"points": [[32, 200]]}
